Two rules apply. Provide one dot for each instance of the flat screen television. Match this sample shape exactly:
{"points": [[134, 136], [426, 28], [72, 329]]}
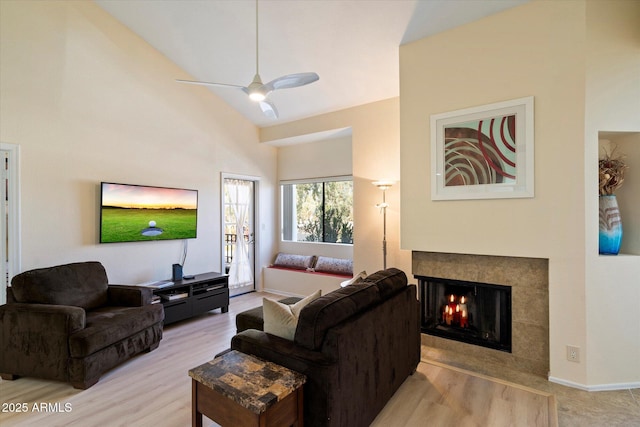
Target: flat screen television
{"points": [[134, 213]]}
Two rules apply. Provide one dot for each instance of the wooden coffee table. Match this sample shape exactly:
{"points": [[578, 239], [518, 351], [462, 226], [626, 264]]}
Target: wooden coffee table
{"points": [[238, 389]]}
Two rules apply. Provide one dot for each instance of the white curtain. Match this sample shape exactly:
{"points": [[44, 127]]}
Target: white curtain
{"points": [[239, 198]]}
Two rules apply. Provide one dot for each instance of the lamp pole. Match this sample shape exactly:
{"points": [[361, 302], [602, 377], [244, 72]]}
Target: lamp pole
{"points": [[384, 229], [384, 186]]}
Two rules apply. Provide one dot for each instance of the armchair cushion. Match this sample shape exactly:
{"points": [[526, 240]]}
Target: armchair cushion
{"points": [[79, 284], [108, 325]]}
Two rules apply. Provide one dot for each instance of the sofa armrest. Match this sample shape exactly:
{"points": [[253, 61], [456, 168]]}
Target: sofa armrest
{"points": [[10, 298], [320, 369], [278, 350], [129, 296], [18, 317], [34, 338]]}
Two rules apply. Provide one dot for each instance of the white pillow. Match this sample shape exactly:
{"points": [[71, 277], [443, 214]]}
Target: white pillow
{"points": [[356, 279], [282, 319]]}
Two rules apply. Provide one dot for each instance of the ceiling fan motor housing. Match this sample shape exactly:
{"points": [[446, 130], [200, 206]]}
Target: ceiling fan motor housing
{"points": [[256, 89]]}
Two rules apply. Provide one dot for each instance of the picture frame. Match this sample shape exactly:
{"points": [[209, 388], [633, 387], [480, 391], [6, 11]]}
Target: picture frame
{"points": [[483, 152]]}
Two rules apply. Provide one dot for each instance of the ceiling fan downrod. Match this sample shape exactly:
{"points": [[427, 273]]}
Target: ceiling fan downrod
{"points": [[255, 88], [259, 91]]}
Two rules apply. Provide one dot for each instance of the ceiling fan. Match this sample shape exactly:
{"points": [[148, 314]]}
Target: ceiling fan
{"points": [[259, 91]]}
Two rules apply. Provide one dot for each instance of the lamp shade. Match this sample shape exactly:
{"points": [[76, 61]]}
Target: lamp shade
{"points": [[383, 185]]}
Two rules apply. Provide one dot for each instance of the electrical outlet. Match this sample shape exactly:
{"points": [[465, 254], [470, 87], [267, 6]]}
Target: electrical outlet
{"points": [[573, 353]]}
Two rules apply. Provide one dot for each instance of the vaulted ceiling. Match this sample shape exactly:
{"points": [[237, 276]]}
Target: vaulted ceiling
{"points": [[353, 45]]}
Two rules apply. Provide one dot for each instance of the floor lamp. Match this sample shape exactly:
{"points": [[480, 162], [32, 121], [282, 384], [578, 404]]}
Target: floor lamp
{"points": [[384, 186]]}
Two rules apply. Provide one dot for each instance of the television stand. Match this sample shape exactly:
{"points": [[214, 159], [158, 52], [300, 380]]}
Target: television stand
{"points": [[191, 297]]}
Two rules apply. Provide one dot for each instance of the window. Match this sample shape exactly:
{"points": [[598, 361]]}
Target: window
{"points": [[319, 210]]}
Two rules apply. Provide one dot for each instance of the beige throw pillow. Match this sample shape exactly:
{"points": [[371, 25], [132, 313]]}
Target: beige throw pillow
{"points": [[282, 319], [356, 279]]}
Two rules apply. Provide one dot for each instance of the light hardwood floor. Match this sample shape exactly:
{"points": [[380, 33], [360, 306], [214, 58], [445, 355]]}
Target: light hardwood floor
{"points": [[438, 395], [154, 389]]}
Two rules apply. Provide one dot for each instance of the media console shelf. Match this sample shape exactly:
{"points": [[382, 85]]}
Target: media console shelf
{"points": [[188, 298]]}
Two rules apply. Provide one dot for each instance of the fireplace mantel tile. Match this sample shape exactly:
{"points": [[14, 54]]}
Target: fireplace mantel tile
{"points": [[529, 280]]}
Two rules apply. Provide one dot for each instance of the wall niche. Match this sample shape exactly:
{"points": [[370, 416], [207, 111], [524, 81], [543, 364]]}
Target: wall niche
{"points": [[626, 144]]}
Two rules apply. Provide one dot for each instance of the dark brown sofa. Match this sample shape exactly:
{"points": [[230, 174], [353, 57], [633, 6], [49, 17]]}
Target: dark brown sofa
{"points": [[356, 345], [67, 323]]}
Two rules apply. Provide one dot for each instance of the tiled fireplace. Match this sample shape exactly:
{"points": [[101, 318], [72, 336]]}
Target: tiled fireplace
{"points": [[527, 280]]}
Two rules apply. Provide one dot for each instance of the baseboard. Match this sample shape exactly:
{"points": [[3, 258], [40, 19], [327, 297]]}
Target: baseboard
{"points": [[281, 292], [598, 387], [298, 282]]}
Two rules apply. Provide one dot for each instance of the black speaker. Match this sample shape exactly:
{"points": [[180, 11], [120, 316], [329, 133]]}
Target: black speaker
{"points": [[177, 272]]}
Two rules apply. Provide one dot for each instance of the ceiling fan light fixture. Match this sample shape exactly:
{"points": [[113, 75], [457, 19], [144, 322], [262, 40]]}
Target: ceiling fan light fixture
{"points": [[257, 96], [256, 89]]}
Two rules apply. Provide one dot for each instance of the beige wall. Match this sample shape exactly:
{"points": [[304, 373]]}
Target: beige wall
{"points": [[318, 159], [536, 49], [324, 158], [88, 101], [613, 104], [375, 149]]}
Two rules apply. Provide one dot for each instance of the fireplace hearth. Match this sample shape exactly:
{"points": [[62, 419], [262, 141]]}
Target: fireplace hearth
{"points": [[470, 312]]}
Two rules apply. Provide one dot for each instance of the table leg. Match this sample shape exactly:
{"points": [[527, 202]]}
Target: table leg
{"points": [[196, 417], [300, 422]]}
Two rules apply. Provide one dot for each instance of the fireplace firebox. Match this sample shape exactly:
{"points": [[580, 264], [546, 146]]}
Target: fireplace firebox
{"points": [[471, 312]]}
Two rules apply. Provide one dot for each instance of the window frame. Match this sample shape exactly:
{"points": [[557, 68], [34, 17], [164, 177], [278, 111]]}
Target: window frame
{"points": [[317, 180]]}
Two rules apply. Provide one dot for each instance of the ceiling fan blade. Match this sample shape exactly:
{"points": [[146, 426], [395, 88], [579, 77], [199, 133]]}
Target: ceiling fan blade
{"points": [[269, 109], [193, 82], [291, 80]]}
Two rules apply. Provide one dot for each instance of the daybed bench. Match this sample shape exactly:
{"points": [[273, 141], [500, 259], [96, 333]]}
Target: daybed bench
{"points": [[296, 274]]}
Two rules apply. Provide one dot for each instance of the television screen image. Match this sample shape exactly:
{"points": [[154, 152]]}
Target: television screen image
{"points": [[132, 213]]}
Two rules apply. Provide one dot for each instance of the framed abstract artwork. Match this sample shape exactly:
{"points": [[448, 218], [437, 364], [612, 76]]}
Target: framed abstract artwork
{"points": [[483, 152]]}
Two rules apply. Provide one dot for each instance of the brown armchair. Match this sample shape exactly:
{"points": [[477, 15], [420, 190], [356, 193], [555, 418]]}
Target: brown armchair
{"points": [[67, 323]]}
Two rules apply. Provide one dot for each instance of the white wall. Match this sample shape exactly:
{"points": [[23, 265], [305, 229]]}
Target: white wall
{"points": [[88, 101]]}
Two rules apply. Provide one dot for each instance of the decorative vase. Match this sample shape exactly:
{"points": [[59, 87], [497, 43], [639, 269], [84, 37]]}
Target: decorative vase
{"points": [[610, 236]]}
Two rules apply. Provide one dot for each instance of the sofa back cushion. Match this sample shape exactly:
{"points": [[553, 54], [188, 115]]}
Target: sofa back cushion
{"points": [[330, 310], [389, 281], [82, 284]]}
